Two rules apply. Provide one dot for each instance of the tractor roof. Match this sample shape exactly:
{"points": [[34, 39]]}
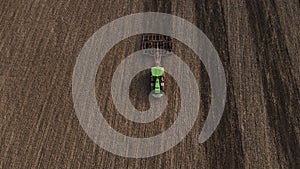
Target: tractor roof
{"points": [[157, 71]]}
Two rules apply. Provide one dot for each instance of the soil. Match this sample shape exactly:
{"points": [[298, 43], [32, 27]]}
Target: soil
{"points": [[258, 44]]}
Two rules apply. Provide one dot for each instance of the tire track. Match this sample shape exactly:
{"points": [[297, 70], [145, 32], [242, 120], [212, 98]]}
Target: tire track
{"points": [[281, 93], [210, 19]]}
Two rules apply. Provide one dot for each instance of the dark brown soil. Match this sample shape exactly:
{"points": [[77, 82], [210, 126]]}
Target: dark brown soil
{"points": [[257, 41]]}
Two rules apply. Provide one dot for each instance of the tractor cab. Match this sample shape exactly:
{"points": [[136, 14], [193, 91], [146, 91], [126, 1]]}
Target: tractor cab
{"points": [[157, 81]]}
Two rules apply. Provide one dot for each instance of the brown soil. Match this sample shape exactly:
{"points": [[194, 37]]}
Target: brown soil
{"points": [[258, 43]]}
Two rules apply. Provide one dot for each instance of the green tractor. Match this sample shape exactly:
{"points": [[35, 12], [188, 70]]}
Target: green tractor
{"points": [[157, 81], [150, 42]]}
